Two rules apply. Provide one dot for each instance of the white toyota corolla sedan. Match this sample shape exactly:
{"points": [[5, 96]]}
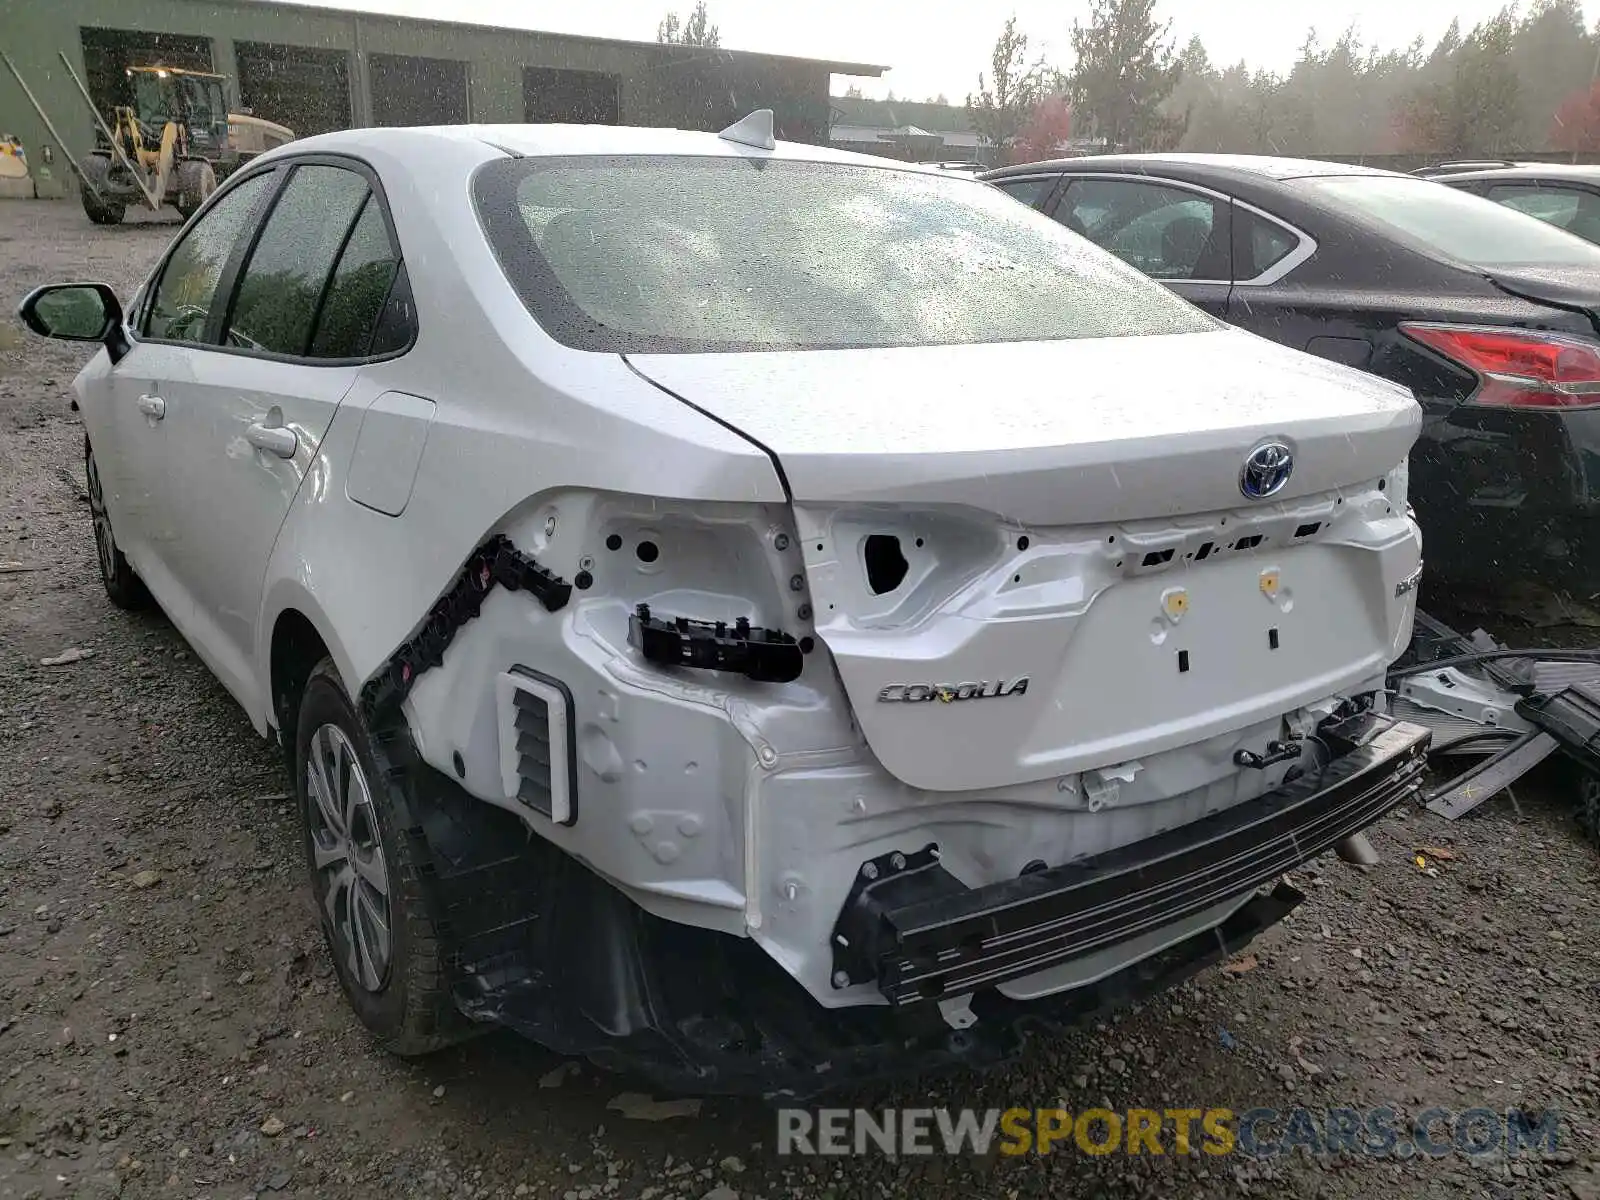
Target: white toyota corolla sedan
{"points": [[760, 616]]}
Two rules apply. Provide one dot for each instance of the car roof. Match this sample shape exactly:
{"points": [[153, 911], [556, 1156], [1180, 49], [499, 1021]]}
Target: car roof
{"points": [[533, 141], [1578, 172], [1259, 165]]}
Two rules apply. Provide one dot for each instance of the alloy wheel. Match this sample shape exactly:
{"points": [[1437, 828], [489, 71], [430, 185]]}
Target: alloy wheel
{"points": [[352, 876]]}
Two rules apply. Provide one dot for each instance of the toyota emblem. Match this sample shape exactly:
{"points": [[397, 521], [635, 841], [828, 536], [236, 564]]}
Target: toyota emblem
{"points": [[1266, 469]]}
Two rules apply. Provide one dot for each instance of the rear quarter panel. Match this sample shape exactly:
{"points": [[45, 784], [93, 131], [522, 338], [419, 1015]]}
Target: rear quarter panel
{"points": [[517, 416]]}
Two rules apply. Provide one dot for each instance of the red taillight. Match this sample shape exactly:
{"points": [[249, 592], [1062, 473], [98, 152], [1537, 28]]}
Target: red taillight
{"points": [[1519, 368]]}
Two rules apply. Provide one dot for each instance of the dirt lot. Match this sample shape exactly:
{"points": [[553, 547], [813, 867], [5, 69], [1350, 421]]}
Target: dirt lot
{"points": [[169, 1025]]}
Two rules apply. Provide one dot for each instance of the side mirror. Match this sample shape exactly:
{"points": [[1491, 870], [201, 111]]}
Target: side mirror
{"points": [[76, 312]]}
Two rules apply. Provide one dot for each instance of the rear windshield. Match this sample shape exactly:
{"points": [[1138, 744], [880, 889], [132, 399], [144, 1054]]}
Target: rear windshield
{"points": [[1456, 224], [664, 255]]}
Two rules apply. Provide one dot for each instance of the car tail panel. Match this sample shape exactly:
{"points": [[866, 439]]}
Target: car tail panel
{"points": [[1075, 651], [1052, 558]]}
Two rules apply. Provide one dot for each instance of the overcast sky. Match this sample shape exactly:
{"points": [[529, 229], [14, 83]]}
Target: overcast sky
{"points": [[941, 46]]}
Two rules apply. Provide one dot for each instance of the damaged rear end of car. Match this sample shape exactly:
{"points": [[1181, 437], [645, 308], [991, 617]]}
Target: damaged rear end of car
{"points": [[1009, 700]]}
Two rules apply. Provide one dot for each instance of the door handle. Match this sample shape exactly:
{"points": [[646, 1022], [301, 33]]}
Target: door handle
{"points": [[274, 439], [153, 407]]}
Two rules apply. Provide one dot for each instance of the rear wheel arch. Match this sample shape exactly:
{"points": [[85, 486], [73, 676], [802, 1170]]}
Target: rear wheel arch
{"points": [[296, 647]]}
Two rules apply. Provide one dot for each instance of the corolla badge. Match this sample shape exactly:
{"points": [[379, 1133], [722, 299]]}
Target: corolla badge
{"points": [[1266, 469], [918, 693]]}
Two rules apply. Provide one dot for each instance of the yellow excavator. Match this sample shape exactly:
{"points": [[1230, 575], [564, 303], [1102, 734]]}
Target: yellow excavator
{"points": [[170, 146]]}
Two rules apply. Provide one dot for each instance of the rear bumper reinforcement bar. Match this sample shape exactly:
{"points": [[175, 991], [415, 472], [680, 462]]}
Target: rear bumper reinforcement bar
{"points": [[919, 934]]}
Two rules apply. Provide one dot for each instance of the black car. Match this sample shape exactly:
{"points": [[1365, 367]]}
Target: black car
{"points": [[1490, 317], [1566, 195]]}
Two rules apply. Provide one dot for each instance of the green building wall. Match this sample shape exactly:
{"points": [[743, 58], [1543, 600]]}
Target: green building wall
{"points": [[657, 85]]}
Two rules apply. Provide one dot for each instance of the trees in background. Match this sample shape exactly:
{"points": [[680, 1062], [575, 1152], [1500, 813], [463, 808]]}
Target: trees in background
{"points": [[1009, 93], [696, 31], [1123, 71], [1470, 100], [1577, 121], [1047, 128], [1553, 56], [1492, 90], [1522, 80]]}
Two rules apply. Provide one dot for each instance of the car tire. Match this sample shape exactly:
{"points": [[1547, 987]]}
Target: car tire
{"points": [[365, 882], [196, 182], [97, 169], [123, 586]]}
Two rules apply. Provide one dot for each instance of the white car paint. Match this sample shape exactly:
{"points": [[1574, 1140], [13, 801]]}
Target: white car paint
{"points": [[210, 413], [1051, 433], [745, 807]]}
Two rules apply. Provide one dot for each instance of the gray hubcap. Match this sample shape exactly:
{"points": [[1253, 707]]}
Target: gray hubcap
{"points": [[352, 876], [104, 543]]}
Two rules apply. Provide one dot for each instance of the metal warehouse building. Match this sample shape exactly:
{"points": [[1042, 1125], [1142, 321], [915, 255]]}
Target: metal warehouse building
{"points": [[317, 69]]}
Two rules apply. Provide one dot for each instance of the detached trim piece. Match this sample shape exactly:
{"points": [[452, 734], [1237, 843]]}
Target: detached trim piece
{"points": [[496, 561], [765, 655], [1572, 717], [1486, 779]]}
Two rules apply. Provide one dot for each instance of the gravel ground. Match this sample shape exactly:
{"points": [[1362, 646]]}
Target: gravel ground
{"points": [[169, 1025]]}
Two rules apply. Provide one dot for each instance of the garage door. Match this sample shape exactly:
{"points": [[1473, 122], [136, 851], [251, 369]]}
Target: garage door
{"points": [[572, 97], [407, 90], [305, 88]]}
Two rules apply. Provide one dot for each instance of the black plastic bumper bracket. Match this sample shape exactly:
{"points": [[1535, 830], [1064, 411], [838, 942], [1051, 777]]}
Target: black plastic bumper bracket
{"points": [[764, 655], [920, 934], [497, 561]]}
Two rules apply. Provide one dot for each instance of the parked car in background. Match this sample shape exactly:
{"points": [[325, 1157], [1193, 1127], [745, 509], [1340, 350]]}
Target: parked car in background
{"points": [[1457, 165], [1487, 314], [1566, 195], [840, 625]]}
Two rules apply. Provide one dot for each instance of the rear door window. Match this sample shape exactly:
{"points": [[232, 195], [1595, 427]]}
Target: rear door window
{"points": [[1259, 244], [281, 289], [358, 290], [1166, 232]]}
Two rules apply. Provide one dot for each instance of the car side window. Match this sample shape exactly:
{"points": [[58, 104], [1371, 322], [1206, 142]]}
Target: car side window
{"points": [[1577, 210], [1032, 192], [1260, 244], [184, 297], [1166, 232], [1557, 206], [276, 300], [360, 286]]}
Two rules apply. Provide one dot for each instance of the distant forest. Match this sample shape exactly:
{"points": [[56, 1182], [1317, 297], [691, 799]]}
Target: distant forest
{"points": [[1524, 81]]}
